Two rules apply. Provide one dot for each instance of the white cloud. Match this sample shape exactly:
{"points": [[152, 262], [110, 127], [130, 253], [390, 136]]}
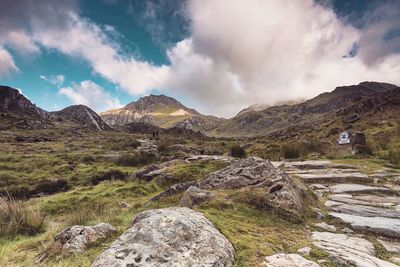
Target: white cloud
{"points": [[7, 63], [90, 94], [86, 40], [57, 80], [238, 53], [20, 41]]}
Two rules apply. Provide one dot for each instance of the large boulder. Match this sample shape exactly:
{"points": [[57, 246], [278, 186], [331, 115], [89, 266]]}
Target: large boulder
{"points": [[279, 190], [169, 237], [194, 196]]}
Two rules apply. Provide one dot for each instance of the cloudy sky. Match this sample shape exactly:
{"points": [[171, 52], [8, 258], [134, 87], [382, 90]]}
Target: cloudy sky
{"points": [[217, 56]]}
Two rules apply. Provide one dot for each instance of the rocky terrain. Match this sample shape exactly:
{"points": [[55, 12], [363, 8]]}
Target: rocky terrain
{"points": [[77, 192]]}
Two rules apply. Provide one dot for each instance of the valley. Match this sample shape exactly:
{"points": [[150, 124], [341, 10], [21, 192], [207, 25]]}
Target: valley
{"points": [[272, 186]]}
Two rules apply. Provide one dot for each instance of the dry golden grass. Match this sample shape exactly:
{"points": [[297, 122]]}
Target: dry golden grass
{"points": [[16, 217]]}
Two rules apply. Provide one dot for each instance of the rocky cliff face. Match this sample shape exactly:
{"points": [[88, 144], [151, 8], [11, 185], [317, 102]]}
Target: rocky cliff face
{"points": [[83, 116]]}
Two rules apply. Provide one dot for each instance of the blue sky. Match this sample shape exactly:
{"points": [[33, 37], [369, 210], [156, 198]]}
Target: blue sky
{"points": [[216, 56]]}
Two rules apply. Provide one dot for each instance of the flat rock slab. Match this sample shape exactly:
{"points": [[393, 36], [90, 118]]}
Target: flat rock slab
{"points": [[325, 226], [335, 177], [349, 250], [389, 245], [288, 260], [366, 200], [169, 237], [311, 164], [384, 226], [360, 189], [360, 210]]}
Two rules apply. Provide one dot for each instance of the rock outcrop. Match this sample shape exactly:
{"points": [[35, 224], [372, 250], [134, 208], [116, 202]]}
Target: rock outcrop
{"points": [[169, 237], [194, 196], [280, 191], [83, 116], [349, 250]]}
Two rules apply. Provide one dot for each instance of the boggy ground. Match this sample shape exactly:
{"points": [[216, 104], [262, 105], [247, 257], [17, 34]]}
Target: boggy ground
{"points": [[85, 159]]}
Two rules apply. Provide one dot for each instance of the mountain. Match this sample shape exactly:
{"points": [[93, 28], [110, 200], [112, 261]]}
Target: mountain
{"points": [[16, 111], [159, 110], [259, 107], [361, 105], [81, 115]]}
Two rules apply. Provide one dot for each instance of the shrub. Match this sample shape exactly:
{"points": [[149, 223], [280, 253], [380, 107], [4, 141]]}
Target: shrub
{"points": [[88, 159], [133, 160], [290, 152], [107, 176], [17, 217], [238, 152], [394, 156]]}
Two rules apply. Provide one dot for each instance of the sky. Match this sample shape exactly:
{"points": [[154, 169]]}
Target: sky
{"points": [[217, 56]]}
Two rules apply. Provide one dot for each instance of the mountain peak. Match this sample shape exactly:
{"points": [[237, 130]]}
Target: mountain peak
{"points": [[83, 115], [160, 110]]}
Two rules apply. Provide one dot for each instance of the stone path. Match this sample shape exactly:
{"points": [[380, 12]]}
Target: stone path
{"points": [[368, 203]]}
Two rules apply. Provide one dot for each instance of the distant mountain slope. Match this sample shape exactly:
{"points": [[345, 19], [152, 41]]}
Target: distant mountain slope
{"points": [[339, 108], [159, 110], [16, 111], [83, 116]]}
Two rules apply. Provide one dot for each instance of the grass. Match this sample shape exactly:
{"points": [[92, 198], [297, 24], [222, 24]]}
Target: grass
{"points": [[254, 232], [17, 217]]}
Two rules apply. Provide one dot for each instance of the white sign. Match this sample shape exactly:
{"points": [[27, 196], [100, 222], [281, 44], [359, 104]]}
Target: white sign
{"points": [[344, 138]]}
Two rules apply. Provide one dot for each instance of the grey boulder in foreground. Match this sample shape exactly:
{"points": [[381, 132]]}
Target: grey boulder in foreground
{"points": [[169, 237]]}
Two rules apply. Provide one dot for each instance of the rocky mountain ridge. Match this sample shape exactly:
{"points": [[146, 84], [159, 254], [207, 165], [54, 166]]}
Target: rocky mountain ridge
{"points": [[17, 111], [340, 108]]}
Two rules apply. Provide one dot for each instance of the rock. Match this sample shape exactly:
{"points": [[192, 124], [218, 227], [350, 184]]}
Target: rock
{"points": [[349, 250], [288, 260], [358, 188], [366, 200], [304, 251], [279, 190], [361, 210], [325, 226], [50, 186], [384, 226], [175, 189], [194, 196], [312, 165], [147, 173], [123, 205], [334, 177], [169, 237], [211, 151], [347, 231], [395, 260], [164, 179], [390, 246], [77, 238], [209, 157]]}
